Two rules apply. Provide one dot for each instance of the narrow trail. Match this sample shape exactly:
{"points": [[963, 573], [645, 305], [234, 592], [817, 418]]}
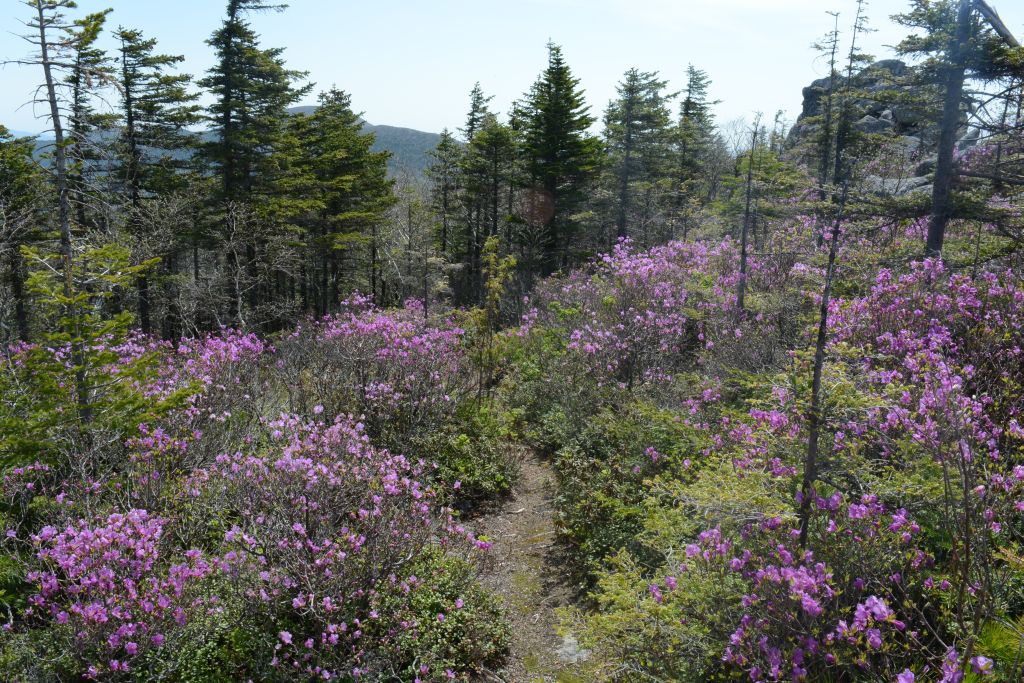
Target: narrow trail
{"points": [[524, 569]]}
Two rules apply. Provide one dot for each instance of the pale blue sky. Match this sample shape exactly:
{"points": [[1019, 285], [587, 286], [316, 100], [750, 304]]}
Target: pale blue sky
{"points": [[412, 62]]}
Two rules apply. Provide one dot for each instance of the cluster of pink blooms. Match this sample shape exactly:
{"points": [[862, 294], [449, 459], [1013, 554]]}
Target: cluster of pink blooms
{"points": [[324, 521], [938, 359], [112, 586], [321, 519], [398, 370]]}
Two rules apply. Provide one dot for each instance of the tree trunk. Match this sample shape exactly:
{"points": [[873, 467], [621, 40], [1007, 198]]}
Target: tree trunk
{"points": [[814, 414], [742, 287], [18, 293], [64, 222], [942, 204]]}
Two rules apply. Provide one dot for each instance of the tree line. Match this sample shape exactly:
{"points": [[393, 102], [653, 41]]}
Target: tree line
{"points": [[244, 213]]}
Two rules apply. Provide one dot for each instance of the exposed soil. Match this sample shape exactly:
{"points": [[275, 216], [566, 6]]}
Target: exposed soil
{"points": [[523, 568]]}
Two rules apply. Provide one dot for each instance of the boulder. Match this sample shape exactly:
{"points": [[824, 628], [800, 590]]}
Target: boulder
{"points": [[897, 186], [871, 124], [926, 166]]}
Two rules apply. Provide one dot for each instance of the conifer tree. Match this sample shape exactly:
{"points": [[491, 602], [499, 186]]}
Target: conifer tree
{"points": [[157, 113], [253, 90], [352, 195], [54, 53], [155, 146], [443, 174], [89, 70], [695, 141], [20, 199], [846, 135], [561, 156], [958, 41], [478, 110], [637, 136], [471, 199], [487, 170]]}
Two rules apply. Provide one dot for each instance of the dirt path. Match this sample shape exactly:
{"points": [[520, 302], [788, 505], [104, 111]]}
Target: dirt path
{"points": [[523, 568]]}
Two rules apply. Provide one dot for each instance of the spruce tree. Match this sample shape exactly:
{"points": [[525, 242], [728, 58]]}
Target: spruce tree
{"points": [[89, 70], [637, 135], [561, 155], [352, 195], [157, 113], [695, 141], [471, 197], [487, 173], [20, 200], [253, 90], [443, 174], [155, 146], [957, 41], [478, 110], [54, 54]]}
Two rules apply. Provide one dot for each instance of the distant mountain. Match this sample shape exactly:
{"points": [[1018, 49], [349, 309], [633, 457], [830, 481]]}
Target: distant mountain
{"points": [[409, 148]]}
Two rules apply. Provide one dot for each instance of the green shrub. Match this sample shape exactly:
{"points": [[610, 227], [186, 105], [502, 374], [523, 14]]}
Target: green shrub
{"points": [[448, 623], [475, 451], [605, 474]]}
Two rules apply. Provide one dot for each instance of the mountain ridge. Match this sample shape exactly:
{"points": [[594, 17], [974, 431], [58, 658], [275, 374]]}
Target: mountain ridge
{"points": [[410, 148]]}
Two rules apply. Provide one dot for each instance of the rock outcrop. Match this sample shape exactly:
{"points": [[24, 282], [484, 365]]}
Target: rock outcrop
{"points": [[885, 103]]}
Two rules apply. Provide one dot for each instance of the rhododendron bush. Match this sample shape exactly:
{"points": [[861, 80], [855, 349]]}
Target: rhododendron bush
{"points": [[409, 379], [233, 507], [694, 554], [218, 541]]}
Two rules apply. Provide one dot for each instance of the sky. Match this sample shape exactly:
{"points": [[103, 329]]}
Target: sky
{"points": [[412, 63]]}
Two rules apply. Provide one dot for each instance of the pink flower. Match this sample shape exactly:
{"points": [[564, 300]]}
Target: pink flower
{"points": [[981, 665]]}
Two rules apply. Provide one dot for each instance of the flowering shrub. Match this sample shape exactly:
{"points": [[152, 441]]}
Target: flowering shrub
{"points": [[921, 404], [408, 380], [393, 368], [325, 528], [109, 593]]}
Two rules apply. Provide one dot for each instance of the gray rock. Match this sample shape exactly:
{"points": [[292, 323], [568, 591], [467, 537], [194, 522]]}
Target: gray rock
{"points": [[897, 186], [907, 117], [926, 166], [909, 143], [570, 652], [870, 124], [894, 67]]}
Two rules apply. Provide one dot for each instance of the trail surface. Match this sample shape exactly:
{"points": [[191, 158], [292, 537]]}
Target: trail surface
{"points": [[523, 567]]}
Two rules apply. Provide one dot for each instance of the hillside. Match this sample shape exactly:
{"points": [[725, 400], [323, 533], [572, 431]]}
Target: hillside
{"points": [[624, 396], [409, 147]]}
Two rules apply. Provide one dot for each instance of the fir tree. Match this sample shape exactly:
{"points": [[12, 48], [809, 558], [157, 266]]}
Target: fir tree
{"points": [[956, 44], [253, 90], [695, 141], [20, 199], [155, 146], [478, 110], [561, 155], [443, 174], [89, 70], [353, 194], [487, 172], [637, 134]]}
